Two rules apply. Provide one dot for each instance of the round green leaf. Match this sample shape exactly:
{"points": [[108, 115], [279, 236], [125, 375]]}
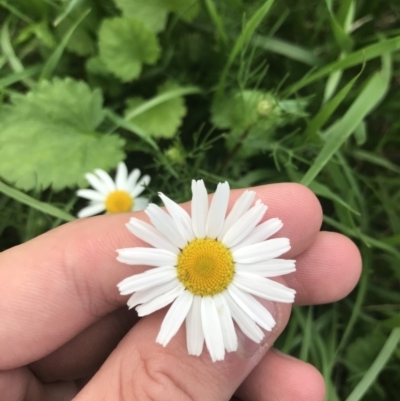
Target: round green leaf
{"points": [[126, 44]]}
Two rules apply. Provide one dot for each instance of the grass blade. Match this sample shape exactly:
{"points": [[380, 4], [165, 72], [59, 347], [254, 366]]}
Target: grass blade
{"points": [[219, 24], [247, 33], [379, 363], [338, 133], [54, 59], [34, 203], [164, 97], [329, 108], [287, 49], [355, 58]]}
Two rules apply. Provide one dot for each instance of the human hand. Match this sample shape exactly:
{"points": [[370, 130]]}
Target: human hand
{"points": [[64, 324]]}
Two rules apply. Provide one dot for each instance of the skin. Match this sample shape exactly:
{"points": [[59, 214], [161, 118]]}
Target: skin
{"points": [[65, 331]]}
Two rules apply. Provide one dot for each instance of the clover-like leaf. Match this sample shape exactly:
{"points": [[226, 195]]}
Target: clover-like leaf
{"points": [[163, 119], [154, 12], [125, 44], [48, 137], [150, 12]]}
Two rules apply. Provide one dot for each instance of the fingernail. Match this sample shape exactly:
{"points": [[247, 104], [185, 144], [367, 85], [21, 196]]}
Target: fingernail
{"points": [[247, 348]]}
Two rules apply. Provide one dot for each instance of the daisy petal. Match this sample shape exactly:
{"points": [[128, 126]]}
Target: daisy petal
{"points": [[194, 329], [163, 222], [91, 210], [161, 301], [212, 329], [174, 318], [140, 297], [225, 319], [264, 288], [146, 232], [269, 268], [140, 204], [148, 279], [199, 208], [146, 256], [132, 179], [260, 233], [141, 185], [96, 183], [246, 323], [245, 225], [180, 217], [121, 177], [106, 179], [254, 309], [217, 212], [240, 207], [261, 251], [90, 194]]}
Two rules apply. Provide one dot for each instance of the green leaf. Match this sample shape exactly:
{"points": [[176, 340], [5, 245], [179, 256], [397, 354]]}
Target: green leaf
{"points": [[329, 108], [164, 118], [149, 12], [54, 59], [242, 40], [154, 13], [355, 58], [48, 137], [287, 49], [125, 44], [339, 132], [34, 203], [242, 109], [376, 367], [326, 192]]}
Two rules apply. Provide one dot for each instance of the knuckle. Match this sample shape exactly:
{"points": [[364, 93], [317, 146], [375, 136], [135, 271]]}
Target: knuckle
{"points": [[156, 379]]}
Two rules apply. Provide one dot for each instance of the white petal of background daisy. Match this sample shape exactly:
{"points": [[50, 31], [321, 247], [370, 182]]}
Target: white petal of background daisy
{"points": [[211, 266], [116, 196]]}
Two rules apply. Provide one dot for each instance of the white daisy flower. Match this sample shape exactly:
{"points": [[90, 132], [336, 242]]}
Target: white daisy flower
{"points": [[211, 267], [116, 196]]}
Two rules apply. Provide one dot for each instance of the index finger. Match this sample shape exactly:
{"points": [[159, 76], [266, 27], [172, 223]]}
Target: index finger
{"points": [[61, 282]]}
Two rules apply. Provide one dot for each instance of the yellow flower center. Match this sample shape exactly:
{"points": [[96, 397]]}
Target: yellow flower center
{"points": [[205, 267], [119, 202]]}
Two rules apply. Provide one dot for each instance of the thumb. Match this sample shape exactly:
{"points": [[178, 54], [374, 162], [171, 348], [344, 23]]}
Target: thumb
{"points": [[139, 369]]}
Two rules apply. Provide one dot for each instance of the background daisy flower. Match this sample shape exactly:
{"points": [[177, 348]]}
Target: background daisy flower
{"points": [[116, 196], [210, 267]]}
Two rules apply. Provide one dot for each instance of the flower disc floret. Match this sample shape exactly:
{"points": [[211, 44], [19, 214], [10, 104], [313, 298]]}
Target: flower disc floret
{"points": [[119, 202], [205, 267]]}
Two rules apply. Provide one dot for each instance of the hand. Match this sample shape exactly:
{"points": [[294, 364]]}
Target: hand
{"points": [[65, 331]]}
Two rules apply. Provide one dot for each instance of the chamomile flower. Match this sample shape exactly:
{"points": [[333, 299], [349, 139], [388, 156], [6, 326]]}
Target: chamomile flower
{"points": [[112, 196], [212, 266]]}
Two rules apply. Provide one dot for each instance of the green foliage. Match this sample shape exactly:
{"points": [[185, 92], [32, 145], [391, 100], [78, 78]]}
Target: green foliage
{"points": [[51, 134], [253, 92], [125, 44], [164, 118], [149, 12], [154, 13]]}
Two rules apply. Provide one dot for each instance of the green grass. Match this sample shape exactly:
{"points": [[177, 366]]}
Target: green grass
{"points": [[330, 71]]}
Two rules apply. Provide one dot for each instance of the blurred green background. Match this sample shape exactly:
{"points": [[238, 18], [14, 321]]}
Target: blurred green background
{"points": [[252, 92]]}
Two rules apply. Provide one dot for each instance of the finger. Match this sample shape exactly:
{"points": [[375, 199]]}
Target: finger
{"points": [[326, 271], [64, 280], [139, 369], [279, 377], [84, 354], [332, 258], [21, 385]]}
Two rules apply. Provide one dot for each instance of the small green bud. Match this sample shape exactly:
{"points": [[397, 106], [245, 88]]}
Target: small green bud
{"points": [[175, 155], [265, 107]]}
